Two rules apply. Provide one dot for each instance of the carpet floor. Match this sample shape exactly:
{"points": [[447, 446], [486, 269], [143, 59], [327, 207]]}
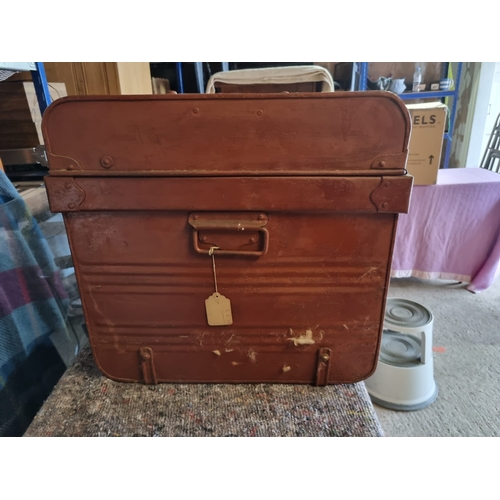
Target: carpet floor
{"points": [[85, 403]]}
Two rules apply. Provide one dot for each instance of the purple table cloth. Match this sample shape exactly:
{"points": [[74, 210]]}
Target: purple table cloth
{"points": [[452, 231]]}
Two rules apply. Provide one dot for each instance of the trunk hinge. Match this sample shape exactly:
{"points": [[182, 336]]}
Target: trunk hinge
{"points": [[323, 368], [147, 365]]}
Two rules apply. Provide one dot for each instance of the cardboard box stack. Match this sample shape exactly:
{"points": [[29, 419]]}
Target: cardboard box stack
{"points": [[426, 142]]}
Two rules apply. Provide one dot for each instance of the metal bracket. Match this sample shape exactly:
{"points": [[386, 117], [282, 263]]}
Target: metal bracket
{"points": [[390, 162], [387, 197], [59, 164], [24, 156], [147, 365], [323, 368], [64, 194]]}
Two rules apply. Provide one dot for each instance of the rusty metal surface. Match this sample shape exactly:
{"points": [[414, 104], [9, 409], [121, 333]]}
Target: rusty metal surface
{"points": [[307, 277], [225, 134], [341, 194]]}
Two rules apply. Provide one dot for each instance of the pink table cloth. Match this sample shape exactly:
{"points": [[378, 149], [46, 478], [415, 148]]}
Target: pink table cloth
{"points": [[452, 231]]}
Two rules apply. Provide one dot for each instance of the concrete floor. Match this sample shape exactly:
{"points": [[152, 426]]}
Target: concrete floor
{"points": [[466, 341]]}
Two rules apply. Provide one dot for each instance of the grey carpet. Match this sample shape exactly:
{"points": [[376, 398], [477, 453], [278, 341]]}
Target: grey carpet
{"points": [[466, 341], [85, 403]]}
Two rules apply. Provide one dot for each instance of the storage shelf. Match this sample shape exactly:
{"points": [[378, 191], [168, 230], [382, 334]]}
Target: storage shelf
{"points": [[39, 80], [362, 69], [427, 94]]}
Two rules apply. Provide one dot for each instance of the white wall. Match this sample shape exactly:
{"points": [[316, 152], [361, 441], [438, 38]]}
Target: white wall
{"points": [[486, 102]]}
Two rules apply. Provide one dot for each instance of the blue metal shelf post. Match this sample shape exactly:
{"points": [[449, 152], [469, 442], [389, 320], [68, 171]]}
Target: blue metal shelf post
{"points": [[198, 67], [180, 83], [41, 87]]}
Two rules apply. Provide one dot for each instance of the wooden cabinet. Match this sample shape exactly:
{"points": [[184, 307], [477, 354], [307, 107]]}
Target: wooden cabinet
{"points": [[20, 117], [101, 78]]}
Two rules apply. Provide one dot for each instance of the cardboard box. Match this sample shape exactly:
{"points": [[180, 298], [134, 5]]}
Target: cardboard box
{"points": [[160, 85], [426, 141]]}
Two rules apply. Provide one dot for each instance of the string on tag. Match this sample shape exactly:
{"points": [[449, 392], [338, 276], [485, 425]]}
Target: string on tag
{"points": [[217, 307], [211, 252]]}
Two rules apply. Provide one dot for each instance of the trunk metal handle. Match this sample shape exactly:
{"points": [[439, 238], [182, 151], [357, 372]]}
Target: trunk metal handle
{"points": [[230, 222]]}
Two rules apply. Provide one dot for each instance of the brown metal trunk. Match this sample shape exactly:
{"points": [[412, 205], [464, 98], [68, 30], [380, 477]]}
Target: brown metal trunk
{"points": [[298, 196]]}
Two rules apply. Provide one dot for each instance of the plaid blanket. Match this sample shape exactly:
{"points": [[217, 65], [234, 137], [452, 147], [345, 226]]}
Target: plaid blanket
{"points": [[33, 304]]}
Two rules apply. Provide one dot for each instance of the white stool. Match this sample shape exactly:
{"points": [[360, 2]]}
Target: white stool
{"points": [[404, 378]]}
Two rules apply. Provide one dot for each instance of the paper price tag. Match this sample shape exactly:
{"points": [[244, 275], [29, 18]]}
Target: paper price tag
{"points": [[218, 310]]}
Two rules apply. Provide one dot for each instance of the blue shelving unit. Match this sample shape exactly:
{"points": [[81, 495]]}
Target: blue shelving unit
{"points": [[362, 70], [41, 87], [39, 80], [198, 67]]}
